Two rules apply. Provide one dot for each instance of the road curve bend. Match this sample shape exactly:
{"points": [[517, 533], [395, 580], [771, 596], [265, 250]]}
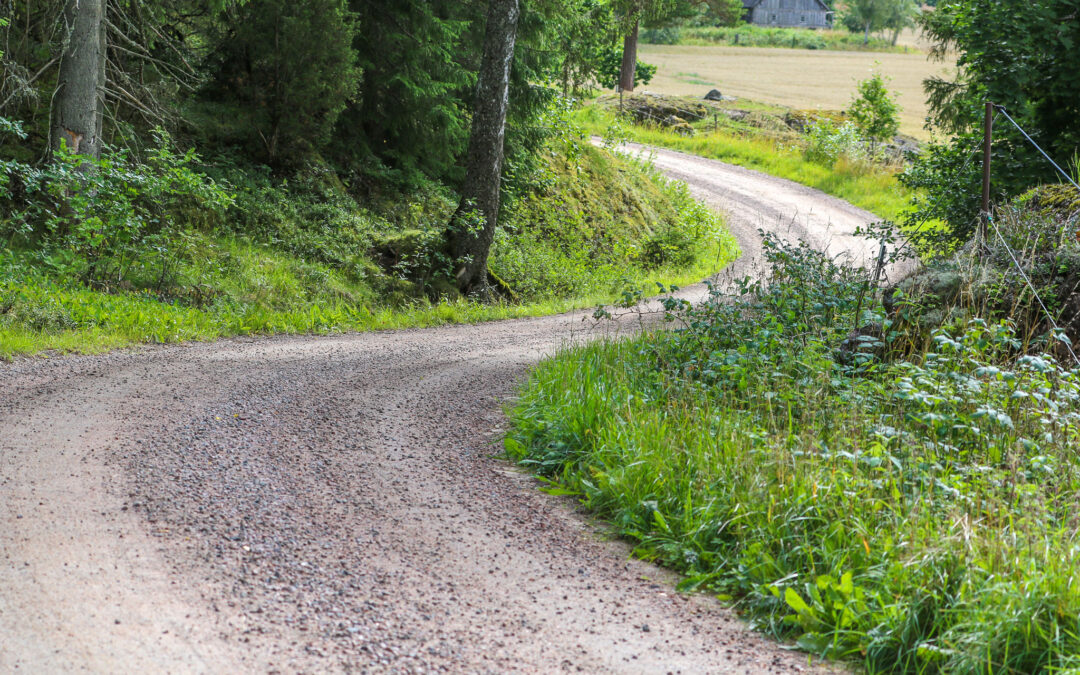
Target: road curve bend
{"points": [[332, 504]]}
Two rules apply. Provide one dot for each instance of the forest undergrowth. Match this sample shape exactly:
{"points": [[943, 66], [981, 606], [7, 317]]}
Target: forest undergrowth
{"points": [[165, 248]]}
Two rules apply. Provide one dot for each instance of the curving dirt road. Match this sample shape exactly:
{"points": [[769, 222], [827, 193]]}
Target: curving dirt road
{"points": [[311, 504]]}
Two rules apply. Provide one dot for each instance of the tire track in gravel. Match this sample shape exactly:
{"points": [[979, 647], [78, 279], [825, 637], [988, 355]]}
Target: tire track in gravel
{"points": [[311, 504]]}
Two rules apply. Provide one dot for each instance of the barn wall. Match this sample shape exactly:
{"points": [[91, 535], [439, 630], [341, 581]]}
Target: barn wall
{"points": [[806, 13]]}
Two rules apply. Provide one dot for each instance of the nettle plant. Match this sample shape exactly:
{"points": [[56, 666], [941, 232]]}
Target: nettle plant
{"points": [[911, 505], [112, 222]]}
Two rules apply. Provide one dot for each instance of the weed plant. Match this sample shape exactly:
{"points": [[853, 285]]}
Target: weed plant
{"points": [[915, 511]]}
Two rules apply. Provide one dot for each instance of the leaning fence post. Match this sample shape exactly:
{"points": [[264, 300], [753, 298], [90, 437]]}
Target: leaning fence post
{"points": [[988, 139]]}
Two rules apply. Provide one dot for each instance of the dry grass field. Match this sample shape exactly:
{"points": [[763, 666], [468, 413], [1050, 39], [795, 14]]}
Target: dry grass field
{"points": [[796, 78]]}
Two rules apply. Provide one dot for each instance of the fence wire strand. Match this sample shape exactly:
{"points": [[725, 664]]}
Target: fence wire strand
{"points": [[1001, 109], [1031, 287]]}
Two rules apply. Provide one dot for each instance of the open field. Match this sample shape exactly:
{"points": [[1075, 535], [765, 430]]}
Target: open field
{"points": [[797, 78]]}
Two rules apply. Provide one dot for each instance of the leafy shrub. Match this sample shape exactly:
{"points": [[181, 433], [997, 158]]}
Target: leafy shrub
{"points": [[946, 185], [610, 60], [874, 109], [827, 142], [111, 221], [916, 513]]}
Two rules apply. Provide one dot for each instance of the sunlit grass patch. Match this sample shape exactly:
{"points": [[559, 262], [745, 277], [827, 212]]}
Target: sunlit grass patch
{"points": [[875, 189]]}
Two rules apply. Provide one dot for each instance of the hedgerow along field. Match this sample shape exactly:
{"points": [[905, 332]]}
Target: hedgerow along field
{"points": [[802, 79]]}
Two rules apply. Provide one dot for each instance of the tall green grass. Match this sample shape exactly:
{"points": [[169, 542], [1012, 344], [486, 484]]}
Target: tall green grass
{"points": [[867, 186], [257, 290], [914, 511]]}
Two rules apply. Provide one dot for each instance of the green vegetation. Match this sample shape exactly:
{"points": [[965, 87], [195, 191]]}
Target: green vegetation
{"points": [[864, 184], [601, 225], [749, 35], [177, 256], [1018, 56], [874, 110], [902, 500], [331, 139]]}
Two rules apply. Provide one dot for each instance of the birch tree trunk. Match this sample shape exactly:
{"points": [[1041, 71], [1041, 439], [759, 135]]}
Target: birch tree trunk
{"points": [[80, 96], [472, 229], [629, 59]]}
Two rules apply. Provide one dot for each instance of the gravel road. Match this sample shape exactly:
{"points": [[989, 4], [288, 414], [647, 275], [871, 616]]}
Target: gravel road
{"points": [[315, 504]]}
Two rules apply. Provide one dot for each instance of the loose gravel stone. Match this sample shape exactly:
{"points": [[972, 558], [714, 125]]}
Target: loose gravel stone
{"points": [[336, 504]]}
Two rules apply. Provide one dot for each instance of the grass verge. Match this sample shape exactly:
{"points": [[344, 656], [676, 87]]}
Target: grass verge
{"points": [[875, 189], [594, 226], [915, 512]]}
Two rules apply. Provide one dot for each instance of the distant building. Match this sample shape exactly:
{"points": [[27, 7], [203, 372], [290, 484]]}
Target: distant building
{"points": [[788, 13]]}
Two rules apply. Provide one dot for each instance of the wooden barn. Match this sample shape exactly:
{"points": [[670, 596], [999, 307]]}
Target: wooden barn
{"points": [[788, 13]]}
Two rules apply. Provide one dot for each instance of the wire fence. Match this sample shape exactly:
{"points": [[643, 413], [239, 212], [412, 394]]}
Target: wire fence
{"points": [[1058, 334], [643, 111]]}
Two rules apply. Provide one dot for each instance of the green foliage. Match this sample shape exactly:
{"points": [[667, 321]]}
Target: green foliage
{"points": [[610, 64], [749, 35], [290, 69], [1018, 54], [585, 39], [874, 109], [724, 12], [947, 183], [827, 142], [915, 514], [111, 221], [594, 223], [865, 16], [418, 61], [868, 185], [95, 256]]}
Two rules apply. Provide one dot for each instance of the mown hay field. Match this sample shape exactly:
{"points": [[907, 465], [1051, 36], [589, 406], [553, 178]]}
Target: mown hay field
{"points": [[802, 79]]}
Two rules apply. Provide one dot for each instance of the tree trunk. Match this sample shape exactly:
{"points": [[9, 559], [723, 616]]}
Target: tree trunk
{"points": [[629, 60], [80, 96], [866, 34], [470, 235]]}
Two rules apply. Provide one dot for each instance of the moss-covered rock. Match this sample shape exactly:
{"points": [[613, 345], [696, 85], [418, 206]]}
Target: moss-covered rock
{"points": [[799, 120], [1037, 253], [1058, 202], [649, 109]]}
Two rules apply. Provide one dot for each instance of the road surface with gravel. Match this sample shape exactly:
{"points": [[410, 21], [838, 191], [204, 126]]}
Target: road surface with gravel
{"points": [[312, 504]]}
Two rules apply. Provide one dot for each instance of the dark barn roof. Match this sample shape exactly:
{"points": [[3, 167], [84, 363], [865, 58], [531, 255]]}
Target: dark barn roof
{"points": [[750, 4]]}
